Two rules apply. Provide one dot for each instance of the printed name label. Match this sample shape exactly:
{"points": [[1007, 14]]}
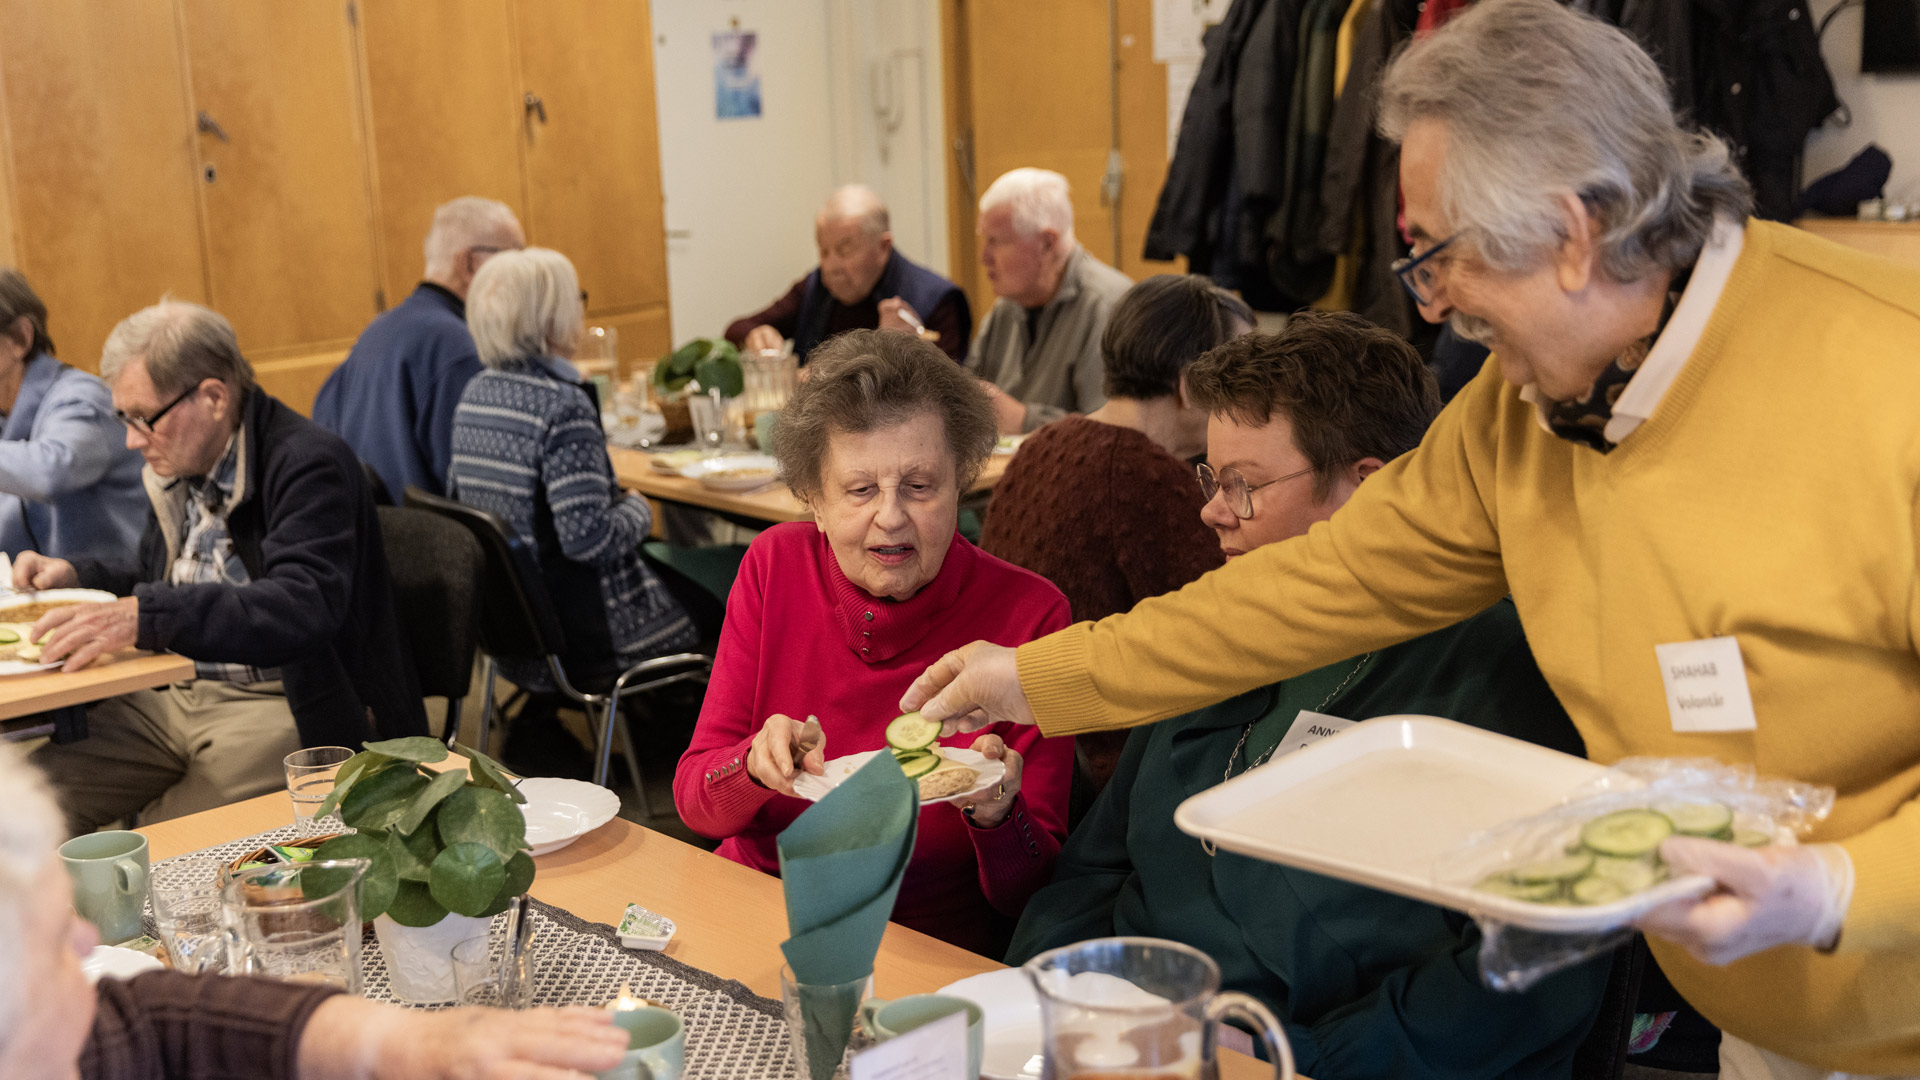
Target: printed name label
{"points": [[1706, 685], [1309, 728]]}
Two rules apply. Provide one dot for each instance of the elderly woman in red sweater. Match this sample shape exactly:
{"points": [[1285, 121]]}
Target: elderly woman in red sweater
{"points": [[834, 618]]}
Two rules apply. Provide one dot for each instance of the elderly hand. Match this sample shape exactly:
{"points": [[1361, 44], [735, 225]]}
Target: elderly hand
{"points": [[897, 314], [82, 633], [1010, 414], [991, 808], [32, 570], [1766, 897], [355, 1039], [764, 337], [770, 759], [969, 688]]}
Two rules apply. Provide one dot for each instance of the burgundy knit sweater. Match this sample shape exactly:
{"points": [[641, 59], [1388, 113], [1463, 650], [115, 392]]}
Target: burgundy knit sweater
{"points": [[801, 639], [1104, 513]]}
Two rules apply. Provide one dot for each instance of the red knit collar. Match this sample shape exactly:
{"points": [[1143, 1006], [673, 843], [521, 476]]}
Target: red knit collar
{"points": [[879, 630]]}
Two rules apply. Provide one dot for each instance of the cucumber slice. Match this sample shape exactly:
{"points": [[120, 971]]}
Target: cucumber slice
{"points": [[1700, 819], [1752, 838], [906, 757], [1597, 890], [1564, 868], [1627, 834], [9, 637], [912, 732], [1632, 875], [1502, 885], [921, 766]]}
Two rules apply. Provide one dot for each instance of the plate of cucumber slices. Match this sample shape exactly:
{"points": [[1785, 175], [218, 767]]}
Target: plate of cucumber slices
{"points": [[914, 743]]}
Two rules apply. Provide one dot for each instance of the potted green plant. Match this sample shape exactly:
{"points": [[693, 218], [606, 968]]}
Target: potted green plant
{"points": [[705, 363], [448, 851]]}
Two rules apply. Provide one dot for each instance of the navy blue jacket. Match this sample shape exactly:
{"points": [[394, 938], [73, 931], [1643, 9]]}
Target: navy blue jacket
{"points": [[921, 288], [393, 398], [319, 605]]}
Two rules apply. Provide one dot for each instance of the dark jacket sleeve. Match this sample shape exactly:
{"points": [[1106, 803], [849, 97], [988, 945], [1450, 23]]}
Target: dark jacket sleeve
{"points": [[300, 597], [119, 578], [783, 315], [168, 1026]]}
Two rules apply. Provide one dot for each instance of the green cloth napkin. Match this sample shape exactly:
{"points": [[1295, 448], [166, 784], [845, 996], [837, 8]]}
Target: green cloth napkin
{"points": [[840, 865]]}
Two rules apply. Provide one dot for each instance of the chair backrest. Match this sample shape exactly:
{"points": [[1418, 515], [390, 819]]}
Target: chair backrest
{"points": [[436, 566], [517, 617]]}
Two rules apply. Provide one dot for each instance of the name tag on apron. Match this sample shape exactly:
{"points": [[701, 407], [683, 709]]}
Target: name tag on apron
{"points": [[1706, 685], [1309, 728]]}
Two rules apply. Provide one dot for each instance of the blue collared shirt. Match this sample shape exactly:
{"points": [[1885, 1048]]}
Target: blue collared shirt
{"points": [[69, 487]]}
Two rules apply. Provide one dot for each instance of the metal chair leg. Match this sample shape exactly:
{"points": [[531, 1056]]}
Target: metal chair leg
{"points": [[450, 734], [487, 676], [633, 761], [602, 726]]}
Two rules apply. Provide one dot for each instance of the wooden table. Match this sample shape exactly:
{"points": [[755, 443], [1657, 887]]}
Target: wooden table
{"points": [[21, 695], [773, 505], [731, 919]]}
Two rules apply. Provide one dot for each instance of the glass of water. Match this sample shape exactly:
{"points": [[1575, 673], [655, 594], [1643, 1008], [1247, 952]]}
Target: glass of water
{"points": [[298, 922], [186, 908], [310, 776]]}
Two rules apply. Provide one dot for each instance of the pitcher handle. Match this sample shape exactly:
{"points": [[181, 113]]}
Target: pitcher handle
{"points": [[1247, 1008]]}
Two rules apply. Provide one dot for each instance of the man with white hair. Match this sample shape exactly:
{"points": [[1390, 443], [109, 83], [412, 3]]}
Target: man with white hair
{"points": [[862, 283], [1039, 345], [393, 398], [1692, 462], [261, 562]]}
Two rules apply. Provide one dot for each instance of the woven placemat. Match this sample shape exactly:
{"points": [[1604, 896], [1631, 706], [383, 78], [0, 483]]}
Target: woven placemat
{"points": [[731, 1031]]}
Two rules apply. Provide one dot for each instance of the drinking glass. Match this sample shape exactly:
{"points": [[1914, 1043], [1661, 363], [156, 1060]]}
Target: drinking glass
{"points": [[802, 1028], [1140, 1008], [300, 922], [186, 908], [310, 776], [485, 975], [709, 419]]}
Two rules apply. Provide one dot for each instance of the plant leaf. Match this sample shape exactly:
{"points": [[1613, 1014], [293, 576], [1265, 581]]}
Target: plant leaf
{"points": [[519, 880], [413, 854], [355, 769], [718, 372], [377, 885], [466, 877], [377, 800], [437, 789], [482, 816], [488, 773], [422, 749], [414, 905]]}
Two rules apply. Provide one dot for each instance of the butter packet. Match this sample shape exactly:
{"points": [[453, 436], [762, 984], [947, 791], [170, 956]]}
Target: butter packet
{"points": [[153, 948], [645, 930]]}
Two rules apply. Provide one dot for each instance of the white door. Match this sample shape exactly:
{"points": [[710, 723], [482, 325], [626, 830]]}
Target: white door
{"points": [[741, 191]]}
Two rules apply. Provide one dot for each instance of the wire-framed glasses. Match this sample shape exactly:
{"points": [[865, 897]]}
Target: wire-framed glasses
{"points": [[1239, 493], [1418, 273]]}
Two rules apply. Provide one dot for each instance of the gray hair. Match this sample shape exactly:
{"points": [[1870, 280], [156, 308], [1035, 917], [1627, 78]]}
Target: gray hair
{"points": [[465, 223], [1039, 198], [30, 830], [17, 298], [524, 304], [1539, 101], [857, 202], [182, 344]]}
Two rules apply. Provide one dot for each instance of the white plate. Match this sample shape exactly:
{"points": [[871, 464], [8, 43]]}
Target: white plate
{"points": [[559, 811], [1380, 803], [814, 788], [114, 962], [672, 462], [1008, 445], [51, 596], [1012, 1022], [756, 470], [21, 667]]}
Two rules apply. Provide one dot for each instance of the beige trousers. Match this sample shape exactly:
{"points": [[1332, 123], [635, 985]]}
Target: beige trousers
{"points": [[1741, 1060], [176, 750]]}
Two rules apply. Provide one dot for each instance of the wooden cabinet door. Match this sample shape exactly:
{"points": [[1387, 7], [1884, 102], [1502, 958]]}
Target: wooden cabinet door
{"points": [[593, 162], [445, 105], [101, 146], [287, 208]]}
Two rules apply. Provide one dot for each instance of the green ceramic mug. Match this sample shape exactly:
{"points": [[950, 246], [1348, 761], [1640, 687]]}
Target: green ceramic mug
{"points": [[109, 872], [884, 1019], [656, 1045]]}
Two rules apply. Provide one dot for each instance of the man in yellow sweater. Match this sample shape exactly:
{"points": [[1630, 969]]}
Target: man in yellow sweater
{"points": [[1693, 461]]}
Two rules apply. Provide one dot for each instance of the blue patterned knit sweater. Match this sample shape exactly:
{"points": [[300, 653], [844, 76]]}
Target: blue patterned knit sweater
{"points": [[528, 447]]}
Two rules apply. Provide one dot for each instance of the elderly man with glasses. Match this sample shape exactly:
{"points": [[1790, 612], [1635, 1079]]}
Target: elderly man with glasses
{"points": [[261, 562], [1692, 460]]}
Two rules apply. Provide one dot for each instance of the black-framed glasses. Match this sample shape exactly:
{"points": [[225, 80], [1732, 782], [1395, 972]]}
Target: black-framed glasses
{"points": [[1417, 273], [144, 424], [1239, 493]]}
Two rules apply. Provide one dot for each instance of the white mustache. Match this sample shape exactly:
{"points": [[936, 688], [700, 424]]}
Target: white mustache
{"points": [[1472, 327]]}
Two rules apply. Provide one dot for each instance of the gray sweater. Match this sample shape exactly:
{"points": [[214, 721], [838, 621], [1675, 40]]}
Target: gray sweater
{"points": [[1056, 369]]}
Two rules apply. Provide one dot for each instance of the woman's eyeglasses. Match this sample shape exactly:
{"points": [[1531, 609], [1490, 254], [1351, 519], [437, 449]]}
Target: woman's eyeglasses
{"points": [[1239, 493]]}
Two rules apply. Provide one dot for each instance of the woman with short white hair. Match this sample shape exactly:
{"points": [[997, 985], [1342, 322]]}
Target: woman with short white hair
{"points": [[165, 1025], [527, 447]]}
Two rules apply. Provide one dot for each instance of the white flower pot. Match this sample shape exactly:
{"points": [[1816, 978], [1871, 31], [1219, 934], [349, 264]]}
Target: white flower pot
{"points": [[420, 958]]}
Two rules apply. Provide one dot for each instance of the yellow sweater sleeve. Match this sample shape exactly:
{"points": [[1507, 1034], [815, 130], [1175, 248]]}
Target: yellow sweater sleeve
{"points": [[1414, 550]]}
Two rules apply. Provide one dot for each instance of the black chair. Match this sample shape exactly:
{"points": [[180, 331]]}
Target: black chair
{"points": [[381, 496], [436, 566], [518, 620]]}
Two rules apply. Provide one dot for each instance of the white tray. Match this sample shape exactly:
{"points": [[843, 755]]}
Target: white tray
{"points": [[1380, 803]]}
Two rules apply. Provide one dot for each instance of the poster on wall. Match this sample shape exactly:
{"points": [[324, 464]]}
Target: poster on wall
{"points": [[736, 75]]}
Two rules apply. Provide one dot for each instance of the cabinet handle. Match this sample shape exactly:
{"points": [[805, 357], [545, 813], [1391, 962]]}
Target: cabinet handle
{"points": [[209, 126], [536, 107]]}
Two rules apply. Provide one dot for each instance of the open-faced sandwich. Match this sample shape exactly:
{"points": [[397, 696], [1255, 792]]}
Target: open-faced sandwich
{"points": [[14, 643], [912, 739]]}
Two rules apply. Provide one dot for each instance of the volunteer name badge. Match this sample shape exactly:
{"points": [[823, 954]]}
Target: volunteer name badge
{"points": [[1706, 685], [1309, 728]]}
